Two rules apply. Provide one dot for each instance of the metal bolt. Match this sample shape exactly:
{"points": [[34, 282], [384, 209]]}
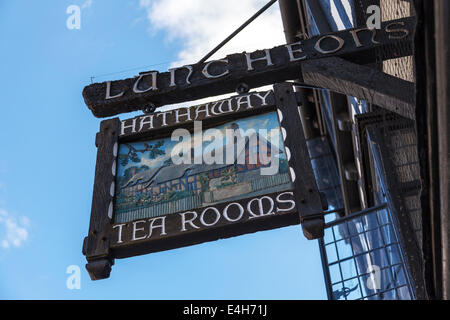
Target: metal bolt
{"points": [[242, 88], [149, 108]]}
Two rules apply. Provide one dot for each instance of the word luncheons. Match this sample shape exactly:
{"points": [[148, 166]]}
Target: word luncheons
{"points": [[216, 77], [294, 51]]}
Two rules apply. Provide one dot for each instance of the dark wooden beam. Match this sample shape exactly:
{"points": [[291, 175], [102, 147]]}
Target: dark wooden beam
{"points": [[319, 16], [375, 87], [345, 155], [308, 200], [442, 36], [294, 17], [191, 82], [341, 127], [427, 142], [96, 244]]}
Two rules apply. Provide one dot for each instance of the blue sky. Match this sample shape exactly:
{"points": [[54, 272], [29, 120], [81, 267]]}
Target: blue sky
{"points": [[47, 158]]}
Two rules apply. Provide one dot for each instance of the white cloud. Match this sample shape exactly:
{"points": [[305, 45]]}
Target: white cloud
{"points": [[200, 25], [152, 163], [5, 244], [13, 231]]}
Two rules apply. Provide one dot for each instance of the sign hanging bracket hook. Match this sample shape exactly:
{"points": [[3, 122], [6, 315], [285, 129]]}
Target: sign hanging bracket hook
{"points": [[149, 108]]}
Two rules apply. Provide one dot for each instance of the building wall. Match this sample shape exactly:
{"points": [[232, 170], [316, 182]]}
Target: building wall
{"points": [[402, 68]]}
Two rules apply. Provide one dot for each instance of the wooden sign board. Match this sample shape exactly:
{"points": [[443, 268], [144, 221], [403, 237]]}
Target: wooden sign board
{"points": [[190, 175], [255, 69]]}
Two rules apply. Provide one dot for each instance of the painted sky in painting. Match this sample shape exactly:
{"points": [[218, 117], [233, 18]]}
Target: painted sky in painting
{"points": [[261, 124]]}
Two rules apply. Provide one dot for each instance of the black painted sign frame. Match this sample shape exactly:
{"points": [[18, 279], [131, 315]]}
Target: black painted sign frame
{"points": [[303, 204]]}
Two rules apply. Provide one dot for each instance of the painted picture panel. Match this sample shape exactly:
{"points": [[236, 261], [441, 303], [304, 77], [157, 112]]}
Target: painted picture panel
{"points": [[236, 160]]}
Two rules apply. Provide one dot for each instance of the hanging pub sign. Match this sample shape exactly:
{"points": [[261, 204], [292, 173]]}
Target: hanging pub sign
{"points": [[190, 175], [263, 67], [240, 165]]}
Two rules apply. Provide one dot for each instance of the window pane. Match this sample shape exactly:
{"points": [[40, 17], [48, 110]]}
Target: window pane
{"points": [[340, 231], [331, 253], [348, 269], [383, 216], [335, 273], [374, 239], [394, 254], [365, 260], [399, 275], [352, 290], [370, 221], [344, 249], [379, 258], [403, 293], [328, 236]]}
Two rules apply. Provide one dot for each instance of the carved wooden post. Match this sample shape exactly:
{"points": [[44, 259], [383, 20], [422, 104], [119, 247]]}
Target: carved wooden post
{"points": [[96, 244], [307, 197]]}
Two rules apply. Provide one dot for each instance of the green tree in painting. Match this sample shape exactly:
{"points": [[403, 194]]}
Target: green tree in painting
{"points": [[204, 181], [153, 151], [228, 176]]}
